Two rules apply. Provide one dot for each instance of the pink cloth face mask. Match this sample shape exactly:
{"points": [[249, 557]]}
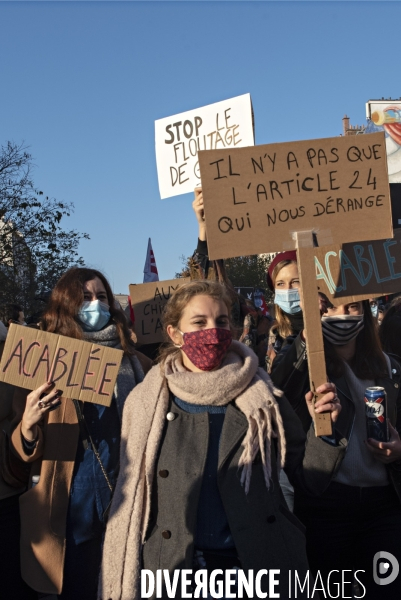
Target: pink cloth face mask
{"points": [[206, 348]]}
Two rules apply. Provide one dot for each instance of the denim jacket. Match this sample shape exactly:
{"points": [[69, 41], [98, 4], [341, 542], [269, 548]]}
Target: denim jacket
{"points": [[90, 493]]}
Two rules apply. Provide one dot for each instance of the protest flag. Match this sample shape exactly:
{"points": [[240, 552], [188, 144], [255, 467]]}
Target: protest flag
{"points": [[150, 273]]}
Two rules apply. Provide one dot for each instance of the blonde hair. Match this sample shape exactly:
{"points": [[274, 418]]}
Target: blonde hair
{"points": [[283, 326], [178, 301]]}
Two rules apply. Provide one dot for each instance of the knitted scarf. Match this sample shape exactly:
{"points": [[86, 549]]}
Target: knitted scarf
{"points": [[238, 379], [130, 372]]}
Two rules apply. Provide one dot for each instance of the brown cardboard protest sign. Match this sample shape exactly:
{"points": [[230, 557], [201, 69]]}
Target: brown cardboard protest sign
{"points": [[82, 370], [148, 301], [257, 197], [313, 327], [359, 270]]}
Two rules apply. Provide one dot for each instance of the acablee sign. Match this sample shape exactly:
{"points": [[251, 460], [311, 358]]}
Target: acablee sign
{"points": [[81, 370]]}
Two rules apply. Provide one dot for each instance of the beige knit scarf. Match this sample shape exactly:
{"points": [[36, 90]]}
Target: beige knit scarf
{"points": [[238, 379]]}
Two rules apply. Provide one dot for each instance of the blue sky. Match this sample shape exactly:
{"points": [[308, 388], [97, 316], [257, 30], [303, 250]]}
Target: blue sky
{"points": [[83, 82]]}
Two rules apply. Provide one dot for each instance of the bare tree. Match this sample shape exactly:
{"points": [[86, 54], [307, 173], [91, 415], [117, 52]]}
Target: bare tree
{"points": [[34, 247], [243, 271]]}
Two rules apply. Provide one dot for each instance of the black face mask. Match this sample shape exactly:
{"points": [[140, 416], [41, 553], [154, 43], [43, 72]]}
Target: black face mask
{"points": [[296, 321], [342, 329]]}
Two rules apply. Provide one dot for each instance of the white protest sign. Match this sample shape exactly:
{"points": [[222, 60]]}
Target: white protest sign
{"points": [[226, 124]]}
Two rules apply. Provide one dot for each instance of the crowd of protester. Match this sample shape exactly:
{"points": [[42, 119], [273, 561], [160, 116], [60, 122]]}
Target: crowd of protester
{"points": [[207, 457]]}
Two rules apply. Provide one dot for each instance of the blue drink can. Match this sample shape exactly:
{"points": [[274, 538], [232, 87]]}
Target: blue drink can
{"points": [[376, 413]]}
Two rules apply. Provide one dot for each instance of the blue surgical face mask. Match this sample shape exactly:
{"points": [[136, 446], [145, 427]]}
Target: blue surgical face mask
{"points": [[288, 300], [375, 310], [94, 315]]}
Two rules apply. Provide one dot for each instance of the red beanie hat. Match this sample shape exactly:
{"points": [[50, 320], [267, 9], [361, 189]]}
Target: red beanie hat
{"points": [[289, 255]]}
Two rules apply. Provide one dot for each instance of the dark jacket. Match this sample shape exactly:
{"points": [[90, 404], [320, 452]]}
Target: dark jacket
{"points": [[290, 373], [43, 508], [266, 534]]}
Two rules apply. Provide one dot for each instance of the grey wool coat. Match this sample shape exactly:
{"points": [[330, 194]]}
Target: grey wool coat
{"points": [[266, 534]]}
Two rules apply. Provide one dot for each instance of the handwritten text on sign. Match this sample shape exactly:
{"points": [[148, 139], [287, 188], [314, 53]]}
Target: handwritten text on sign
{"points": [[255, 198], [82, 370], [226, 124], [148, 301], [356, 271]]}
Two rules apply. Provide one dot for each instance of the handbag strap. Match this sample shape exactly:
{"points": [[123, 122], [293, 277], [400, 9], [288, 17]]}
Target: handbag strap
{"points": [[85, 433]]}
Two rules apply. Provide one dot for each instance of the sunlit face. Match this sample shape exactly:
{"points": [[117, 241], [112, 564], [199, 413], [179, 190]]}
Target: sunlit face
{"points": [[287, 278], [95, 290], [355, 308], [201, 312]]}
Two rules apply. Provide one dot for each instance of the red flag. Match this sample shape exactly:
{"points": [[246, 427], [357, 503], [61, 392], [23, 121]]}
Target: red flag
{"points": [[150, 270], [131, 311]]}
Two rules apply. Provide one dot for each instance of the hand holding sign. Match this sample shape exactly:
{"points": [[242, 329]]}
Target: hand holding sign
{"points": [[328, 402], [38, 403], [199, 211]]}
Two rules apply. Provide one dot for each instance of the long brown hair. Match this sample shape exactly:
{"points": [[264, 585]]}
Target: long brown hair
{"points": [[177, 303], [369, 361], [61, 314], [283, 326]]}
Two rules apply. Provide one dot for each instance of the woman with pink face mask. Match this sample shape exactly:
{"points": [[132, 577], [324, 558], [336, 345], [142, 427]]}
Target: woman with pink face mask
{"points": [[203, 439]]}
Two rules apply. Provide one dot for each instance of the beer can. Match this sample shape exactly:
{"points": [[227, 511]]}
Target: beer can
{"points": [[376, 413]]}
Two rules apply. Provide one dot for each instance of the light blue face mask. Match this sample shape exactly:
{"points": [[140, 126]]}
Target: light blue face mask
{"points": [[94, 315], [288, 300], [375, 310]]}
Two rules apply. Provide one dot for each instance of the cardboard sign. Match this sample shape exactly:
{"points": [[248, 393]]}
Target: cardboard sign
{"points": [[148, 301], [82, 370], [256, 198], [226, 124], [313, 326], [359, 270]]}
